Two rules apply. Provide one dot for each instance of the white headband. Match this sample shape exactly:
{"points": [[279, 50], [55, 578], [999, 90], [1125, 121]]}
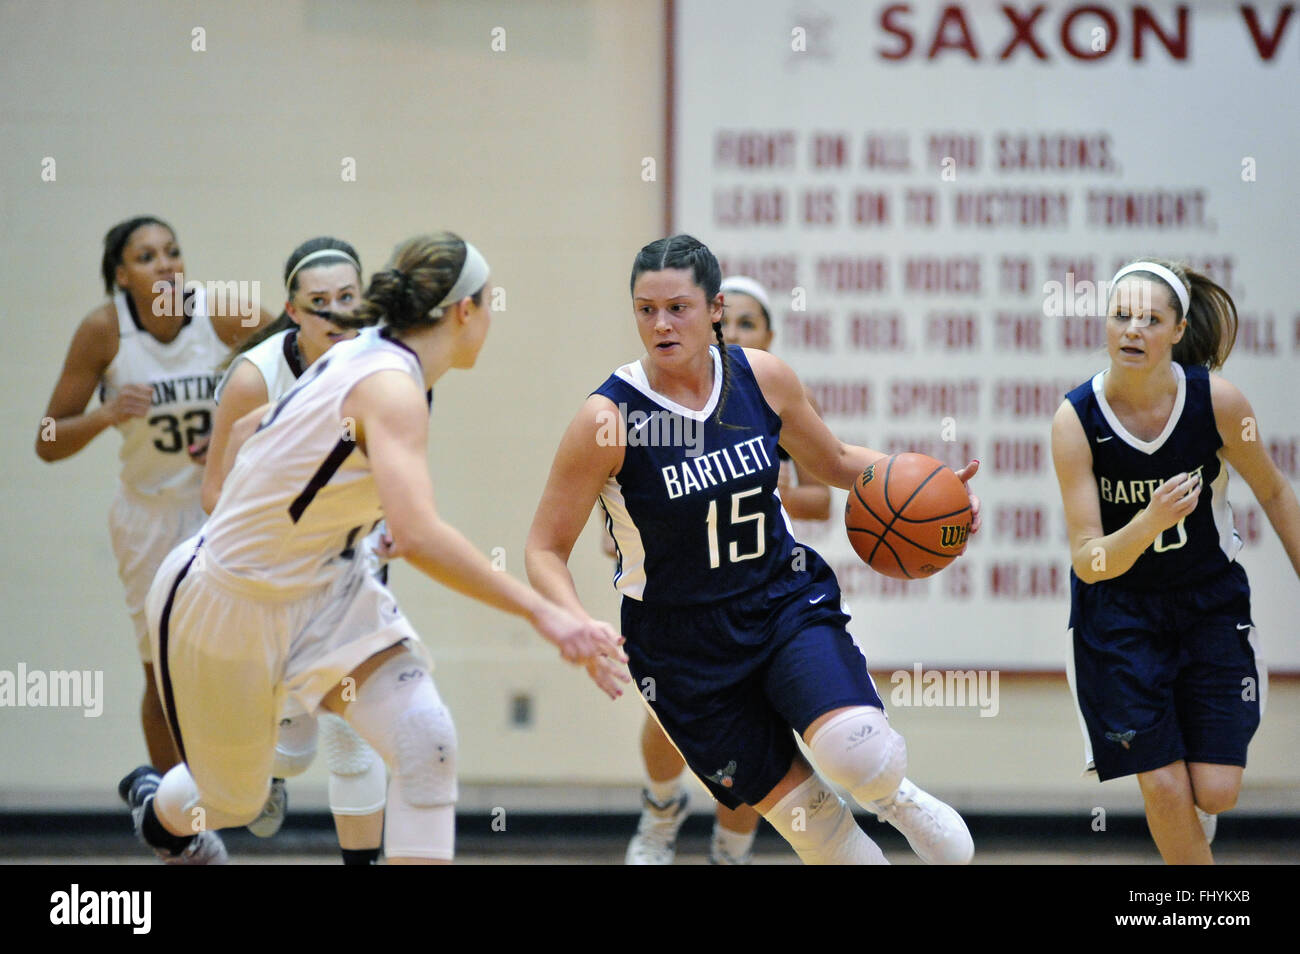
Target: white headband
{"points": [[747, 286], [337, 252], [1168, 277], [473, 275]]}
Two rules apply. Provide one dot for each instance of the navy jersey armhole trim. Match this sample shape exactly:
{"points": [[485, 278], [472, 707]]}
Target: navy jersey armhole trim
{"points": [[738, 359]]}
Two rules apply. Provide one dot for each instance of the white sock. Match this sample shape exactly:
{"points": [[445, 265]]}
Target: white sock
{"points": [[735, 844]]}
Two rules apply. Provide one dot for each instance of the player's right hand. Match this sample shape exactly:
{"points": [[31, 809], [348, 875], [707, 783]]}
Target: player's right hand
{"points": [[607, 674], [579, 641], [134, 400], [1173, 500]]}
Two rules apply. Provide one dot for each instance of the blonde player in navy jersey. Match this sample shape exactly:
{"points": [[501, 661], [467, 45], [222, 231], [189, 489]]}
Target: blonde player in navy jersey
{"points": [[734, 638], [154, 366], [747, 322], [322, 276], [1164, 660], [262, 604]]}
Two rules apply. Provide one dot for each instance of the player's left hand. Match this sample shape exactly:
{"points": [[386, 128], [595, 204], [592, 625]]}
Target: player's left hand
{"points": [[198, 451], [964, 475], [385, 548], [607, 673]]}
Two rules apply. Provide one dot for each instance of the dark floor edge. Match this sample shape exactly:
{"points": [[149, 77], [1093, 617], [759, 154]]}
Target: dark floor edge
{"points": [[28, 829]]}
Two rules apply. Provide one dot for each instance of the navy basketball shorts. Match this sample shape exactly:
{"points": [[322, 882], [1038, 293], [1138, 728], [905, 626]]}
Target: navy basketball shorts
{"points": [[729, 681], [1166, 676]]}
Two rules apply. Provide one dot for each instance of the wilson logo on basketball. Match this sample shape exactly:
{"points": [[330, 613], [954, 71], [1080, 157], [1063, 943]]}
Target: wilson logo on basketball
{"points": [[953, 535], [868, 475]]}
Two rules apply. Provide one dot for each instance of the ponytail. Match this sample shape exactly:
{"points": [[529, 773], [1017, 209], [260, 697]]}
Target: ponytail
{"points": [[424, 270], [1211, 317]]}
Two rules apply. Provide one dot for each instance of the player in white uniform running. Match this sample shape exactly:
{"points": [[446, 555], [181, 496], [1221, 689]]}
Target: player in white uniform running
{"points": [[323, 275], [253, 610], [154, 366]]}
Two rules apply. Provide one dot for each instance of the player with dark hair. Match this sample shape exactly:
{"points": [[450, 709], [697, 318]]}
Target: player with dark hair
{"points": [[747, 322], [1164, 660], [735, 633], [154, 367]]}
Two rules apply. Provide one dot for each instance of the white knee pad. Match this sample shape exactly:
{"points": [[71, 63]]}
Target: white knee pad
{"points": [[295, 745], [178, 804], [398, 711], [858, 751], [820, 827], [358, 783]]}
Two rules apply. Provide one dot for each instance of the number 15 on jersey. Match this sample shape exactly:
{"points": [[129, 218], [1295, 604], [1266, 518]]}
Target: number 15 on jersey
{"points": [[737, 518]]}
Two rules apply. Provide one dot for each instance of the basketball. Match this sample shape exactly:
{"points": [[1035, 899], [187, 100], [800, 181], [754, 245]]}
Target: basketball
{"points": [[908, 516]]}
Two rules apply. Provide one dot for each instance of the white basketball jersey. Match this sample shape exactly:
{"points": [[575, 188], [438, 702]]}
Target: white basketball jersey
{"points": [[182, 373], [300, 496], [278, 360]]}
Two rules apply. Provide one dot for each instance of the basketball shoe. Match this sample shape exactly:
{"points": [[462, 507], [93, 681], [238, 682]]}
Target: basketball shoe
{"points": [[934, 830], [138, 790], [277, 806], [655, 841]]}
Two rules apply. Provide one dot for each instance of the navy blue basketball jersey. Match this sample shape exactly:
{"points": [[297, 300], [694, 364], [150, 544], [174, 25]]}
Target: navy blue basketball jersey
{"points": [[1129, 470], [694, 511]]}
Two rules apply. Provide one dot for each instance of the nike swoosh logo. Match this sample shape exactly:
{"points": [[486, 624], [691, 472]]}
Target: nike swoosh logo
{"points": [[641, 425], [817, 599], [1246, 626], [1102, 440]]}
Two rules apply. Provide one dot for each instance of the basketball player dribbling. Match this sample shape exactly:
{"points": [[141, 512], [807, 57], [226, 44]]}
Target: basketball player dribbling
{"points": [[734, 639], [747, 322]]}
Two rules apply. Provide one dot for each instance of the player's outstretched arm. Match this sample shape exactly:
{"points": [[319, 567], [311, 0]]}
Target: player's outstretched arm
{"points": [[1243, 448], [392, 428], [589, 453], [806, 498], [1095, 555], [810, 442], [803, 433], [244, 392]]}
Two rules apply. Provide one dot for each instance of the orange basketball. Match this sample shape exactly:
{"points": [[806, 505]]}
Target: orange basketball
{"points": [[908, 516]]}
